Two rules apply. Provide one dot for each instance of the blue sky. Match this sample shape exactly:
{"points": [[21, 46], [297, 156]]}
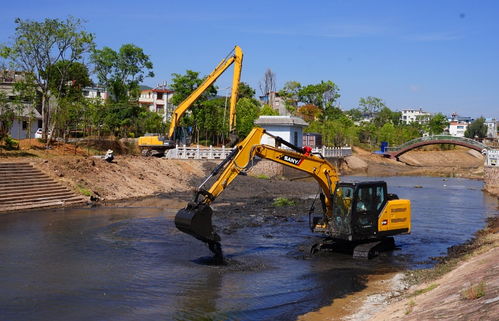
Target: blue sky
{"points": [[442, 56]]}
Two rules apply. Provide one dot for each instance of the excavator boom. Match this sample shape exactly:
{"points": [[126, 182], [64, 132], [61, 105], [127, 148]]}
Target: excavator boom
{"points": [[236, 58]]}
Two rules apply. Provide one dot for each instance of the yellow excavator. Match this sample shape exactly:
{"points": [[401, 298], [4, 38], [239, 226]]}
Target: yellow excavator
{"points": [[363, 216], [159, 143]]}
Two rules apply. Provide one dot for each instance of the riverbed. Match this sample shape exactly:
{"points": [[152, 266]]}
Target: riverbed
{"points": [[130, 262]]}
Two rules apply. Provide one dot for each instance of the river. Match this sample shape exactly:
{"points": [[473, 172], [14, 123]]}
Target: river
{"points": [[130, 263]]}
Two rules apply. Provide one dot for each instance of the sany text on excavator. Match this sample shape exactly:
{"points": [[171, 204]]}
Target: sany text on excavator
{"points": [[363, 215], [149, 143]]}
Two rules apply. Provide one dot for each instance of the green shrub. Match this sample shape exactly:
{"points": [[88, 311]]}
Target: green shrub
{"points": [[282, 201]]}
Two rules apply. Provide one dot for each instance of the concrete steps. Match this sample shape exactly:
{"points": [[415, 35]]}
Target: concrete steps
{"points": [[24, 187]]}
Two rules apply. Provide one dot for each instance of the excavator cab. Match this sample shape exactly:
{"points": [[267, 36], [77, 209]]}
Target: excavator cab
{"points": [[358, 209]]}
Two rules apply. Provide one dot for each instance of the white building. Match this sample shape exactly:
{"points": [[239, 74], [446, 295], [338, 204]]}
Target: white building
{"points": [[27, 118], [95, 93], [26, 124], [457, 128], [491, 128], [415, 116], [289, 128], [158, 100]]}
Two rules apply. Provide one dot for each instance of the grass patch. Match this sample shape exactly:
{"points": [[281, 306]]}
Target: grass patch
{"points": [[84, 191], [282, 201], [410, 306], [427, 289], [474, 291], [262, 176]]}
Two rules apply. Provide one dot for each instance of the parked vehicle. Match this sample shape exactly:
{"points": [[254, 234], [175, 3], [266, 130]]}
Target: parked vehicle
{"points": [[39, 133]]}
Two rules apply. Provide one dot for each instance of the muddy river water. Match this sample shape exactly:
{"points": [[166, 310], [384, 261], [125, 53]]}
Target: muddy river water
{"points": [[130, 263]]}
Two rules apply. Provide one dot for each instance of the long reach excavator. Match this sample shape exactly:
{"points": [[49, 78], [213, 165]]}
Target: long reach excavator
{"points": [[363, 216], [155, 142]]}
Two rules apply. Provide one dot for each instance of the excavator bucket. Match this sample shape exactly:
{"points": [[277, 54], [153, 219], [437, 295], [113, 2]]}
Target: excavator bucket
{"points": [[195, 220]]}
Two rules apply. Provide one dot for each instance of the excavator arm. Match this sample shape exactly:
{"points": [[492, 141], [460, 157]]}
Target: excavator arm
{"points": [[236, 58], [195, 219]]}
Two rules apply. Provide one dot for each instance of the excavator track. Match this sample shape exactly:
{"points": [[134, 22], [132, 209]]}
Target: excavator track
{"points": [[370, 250]]}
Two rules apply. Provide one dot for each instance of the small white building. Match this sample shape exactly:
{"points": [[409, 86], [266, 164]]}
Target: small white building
{"points": [[289, 128], [26, 125], [158, 100], [415, 116]]}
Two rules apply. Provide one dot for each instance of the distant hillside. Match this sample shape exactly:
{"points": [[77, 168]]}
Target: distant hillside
{"points": [[144, 87]]}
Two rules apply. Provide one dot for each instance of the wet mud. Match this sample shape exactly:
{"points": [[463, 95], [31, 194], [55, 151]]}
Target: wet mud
{"points": [[129, 262]]}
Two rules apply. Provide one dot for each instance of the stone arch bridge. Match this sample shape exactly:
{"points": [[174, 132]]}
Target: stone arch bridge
{"points": [[396, 152]]}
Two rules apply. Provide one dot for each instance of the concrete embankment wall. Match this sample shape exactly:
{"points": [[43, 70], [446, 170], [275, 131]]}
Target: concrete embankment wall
{"points": [[491, 179]]}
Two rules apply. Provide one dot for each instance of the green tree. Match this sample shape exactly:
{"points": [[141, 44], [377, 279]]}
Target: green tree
{"points": [[476, 129], [68, 78], [371, 105], [355, 114], [7, 116], [437, 124], [290, 94], [386, 115], [247, 113], [121, 72], [40, 45], [323, 95], [245, 91], [266, 110]]}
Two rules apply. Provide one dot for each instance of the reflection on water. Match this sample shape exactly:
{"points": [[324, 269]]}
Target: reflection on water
{"points": [[130, 263]]}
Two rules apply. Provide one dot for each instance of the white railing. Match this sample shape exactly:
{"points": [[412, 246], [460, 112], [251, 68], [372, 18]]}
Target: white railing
{"points": [[334, 151], [184, 152]]}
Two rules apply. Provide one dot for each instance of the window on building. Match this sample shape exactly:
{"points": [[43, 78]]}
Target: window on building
{"points": [[159, 95], [160, 109], [86, 93], [295, 138], [98, 93], [25, 125]]}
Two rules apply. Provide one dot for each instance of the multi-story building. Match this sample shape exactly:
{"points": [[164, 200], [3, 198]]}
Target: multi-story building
{"points": [[491, 128], [415, 116], [95, 93], [276, 102], [457, 128], [158, 100], [458, 124]]}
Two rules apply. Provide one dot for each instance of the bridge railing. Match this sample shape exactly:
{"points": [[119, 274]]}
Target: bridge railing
{"points": [[184, 152], [436, 138]]}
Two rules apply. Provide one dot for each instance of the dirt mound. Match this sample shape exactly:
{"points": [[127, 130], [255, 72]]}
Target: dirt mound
{"points": [[129, 176]]}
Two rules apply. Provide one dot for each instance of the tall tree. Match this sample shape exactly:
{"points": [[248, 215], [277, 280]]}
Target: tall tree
{"points": [[37, 46], [121, 72], [476, 129], [70, 83], [437, 124], [245, 91], [371, 105], [290, 94], [247, 113], [268, 84], [323, 95]]}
